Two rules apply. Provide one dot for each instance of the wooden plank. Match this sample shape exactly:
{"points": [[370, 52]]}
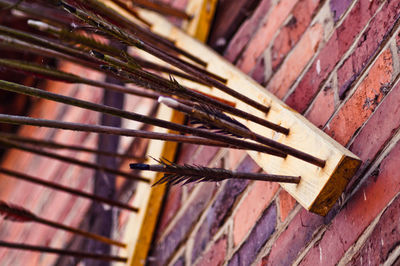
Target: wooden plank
{"points": [[320, 187]]}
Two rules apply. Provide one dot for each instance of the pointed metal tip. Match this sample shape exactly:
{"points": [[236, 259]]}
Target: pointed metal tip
{"points": [[97, 54], [139, 166]]}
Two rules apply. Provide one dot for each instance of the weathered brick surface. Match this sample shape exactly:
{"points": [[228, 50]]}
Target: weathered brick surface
{"points": [[295, 237], [379, 128], [324, 106], [384, 238], [259, 235], [166, 247], [369, 42], [295, 63], [246, 31], [364, 100], [221, 208], [338, 7], [286, 204], [264, 34], [292, 31], [332, 52], [251, 207], [358, 213], [216, 254]]}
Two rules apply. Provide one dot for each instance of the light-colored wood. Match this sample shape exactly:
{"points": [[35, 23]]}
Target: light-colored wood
{"points": [[319, 187], [141, 225]]}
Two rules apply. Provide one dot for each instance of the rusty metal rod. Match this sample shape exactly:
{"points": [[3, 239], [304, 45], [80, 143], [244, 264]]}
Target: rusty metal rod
{"points": [[69, 190], [62, 252], [55, 156]]}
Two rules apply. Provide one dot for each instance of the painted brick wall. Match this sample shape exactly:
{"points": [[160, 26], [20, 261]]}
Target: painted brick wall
{"points": [[337, 63]]}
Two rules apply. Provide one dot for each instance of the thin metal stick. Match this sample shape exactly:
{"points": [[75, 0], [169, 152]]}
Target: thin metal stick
{"points": [[161, 8], [128, 8], [19, 214], [15, 145], [239, 131], [69, 190], [22, 120], [173, 60], [173, 88], [10, 86], [55, 74], [191, 173], [62, 252], [57, 145]]}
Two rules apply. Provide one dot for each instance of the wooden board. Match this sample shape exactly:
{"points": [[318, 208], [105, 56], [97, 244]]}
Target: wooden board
{"points": [[319, 187]]}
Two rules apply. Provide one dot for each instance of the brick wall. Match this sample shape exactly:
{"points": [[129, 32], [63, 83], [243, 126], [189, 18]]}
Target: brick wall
{"points": [[337, 63]]}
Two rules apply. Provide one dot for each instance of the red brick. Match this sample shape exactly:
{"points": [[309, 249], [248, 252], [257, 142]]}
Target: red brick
{"points": [[338, 7], [364, 100], [358, 213], [171, 206], [167, 246], [383, 239], [216, 253], [264, 35], [259, 235], [295, 237], [291, 32], [379, 128], [246, 31], [251, 207], [330, 55], [286, 204], [323, 107], [295, 63], [377, 31]]}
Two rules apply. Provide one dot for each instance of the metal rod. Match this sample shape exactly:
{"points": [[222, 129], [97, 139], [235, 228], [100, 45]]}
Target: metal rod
{"points": [[22, 120], [159, 7], [10, 86], [190, 173], [69, 190], [62, 252], [12, 144], [57, 145], [169, 58], [240, 131], [19, 214]]}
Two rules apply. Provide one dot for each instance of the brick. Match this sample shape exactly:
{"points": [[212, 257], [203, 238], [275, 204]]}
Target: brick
{"points": [[295, 237], [379, 129], [368, 44], [250, 209], [330, 54], [246, 31], [259, 235], [364, 100], [216, 253], [338, 7], [295, 63], [383, 239], [323, 108], [221, 208], [259, 71], [264, 34], [171, 206], [166, 247], [377, 191], [291, 32], [180, 262], [286, 204]]}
